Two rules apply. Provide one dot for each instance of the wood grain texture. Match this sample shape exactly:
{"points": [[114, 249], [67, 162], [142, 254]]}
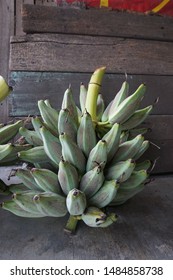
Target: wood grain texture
{"points": [[143, 231], [29, 87], [75, 53], [97, 22], [6, 30]]}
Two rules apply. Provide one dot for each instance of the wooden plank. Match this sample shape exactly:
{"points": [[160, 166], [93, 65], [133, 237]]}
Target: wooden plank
{"points": [[96, 22], [6, 30], [32, 86], [76, 53], [143, 231]]}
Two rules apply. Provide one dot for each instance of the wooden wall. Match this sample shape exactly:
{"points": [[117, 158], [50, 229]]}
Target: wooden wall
{"points": [[57, 46]]}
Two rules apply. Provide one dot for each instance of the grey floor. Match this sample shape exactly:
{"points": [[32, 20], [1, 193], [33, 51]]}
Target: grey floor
{"points": [[144, 230]]}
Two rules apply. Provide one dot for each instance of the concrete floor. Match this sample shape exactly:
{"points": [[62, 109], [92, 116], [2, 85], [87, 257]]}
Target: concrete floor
{"points": [[144, 230]]}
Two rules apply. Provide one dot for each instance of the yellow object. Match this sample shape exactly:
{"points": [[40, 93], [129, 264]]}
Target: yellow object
{"points": [[104, 3], [160, 6], [4, 89]]}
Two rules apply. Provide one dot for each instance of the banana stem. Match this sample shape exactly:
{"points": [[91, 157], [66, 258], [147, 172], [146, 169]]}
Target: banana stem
{"points": [[71, 224], [93, 91]]}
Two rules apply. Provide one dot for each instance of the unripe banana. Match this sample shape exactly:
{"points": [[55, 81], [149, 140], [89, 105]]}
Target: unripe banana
{"points": [[82, 97], [51, 144], [145, 145], [112, 138], [76, 202], [13, 207], [128, 149], [9, 131], [27, 179], [137, 118], [66, 124], [93, 216], [12, 157], [145, 165], [36, 154], [46, 180], [100, 106], [49, 116], [124, 195], [120, 171], [137, 178], [17, 188], [110, 219], [124, 136], [72, 153], [68, 103], [25, 202], [105, 114], [30, 136], [136, 131], [5, 89], [5, 150], [86, 136], [92, 181], [127, 107], [105, 194], [37, 124], [51, 204], [119, 97], [97, 156], [67, 176]]}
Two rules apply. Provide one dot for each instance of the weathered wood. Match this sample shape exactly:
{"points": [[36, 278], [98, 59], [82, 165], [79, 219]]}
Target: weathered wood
{"points": [[38, 19], [32, 86], [6, 30], [143, 232], [76, 53], [18, 15]]}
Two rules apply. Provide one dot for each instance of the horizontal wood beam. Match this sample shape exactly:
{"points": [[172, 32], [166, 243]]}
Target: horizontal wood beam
{"points": [[76, 53], [37, 19]]}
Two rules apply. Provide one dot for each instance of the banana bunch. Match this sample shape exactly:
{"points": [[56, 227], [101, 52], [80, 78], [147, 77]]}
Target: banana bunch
{"points": [[81, 160]]}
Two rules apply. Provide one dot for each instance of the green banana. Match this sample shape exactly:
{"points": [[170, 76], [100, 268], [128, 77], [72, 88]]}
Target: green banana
{"points": [[9, 131], [76, 202], [36, 154], [51, 204], [136, 131], [127, 107], [92, 181], [119, 97], [124, 195], [105, 194], [145, 145], [68, 103], [82, 96], [110, 219], [27, 178], [46, 180], [137, 118], [72, 153], [30, 136], [137, 178], [5, 150], [37, 124], [51, 144], [67, 176], [105, 115], [100, 107], [128, 149], [25, 202], [12, 156], [66, 124], [120, 171], [97, 156], [93, 216], [86, 136], [112, 138], [17, 188], [145, 165], [124, 136], [49, 116], [5, 89], [13, 207]]}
